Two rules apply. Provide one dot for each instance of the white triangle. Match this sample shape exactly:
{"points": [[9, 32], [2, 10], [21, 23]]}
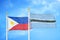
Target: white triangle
{"points": [[9, 25]]}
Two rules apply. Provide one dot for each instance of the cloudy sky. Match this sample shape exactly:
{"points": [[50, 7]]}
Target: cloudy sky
{"points": [[19, 8], [36, 6]]}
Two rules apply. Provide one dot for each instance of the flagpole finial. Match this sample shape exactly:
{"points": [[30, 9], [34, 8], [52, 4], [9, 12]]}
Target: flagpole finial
{"points": [[28, 9]]}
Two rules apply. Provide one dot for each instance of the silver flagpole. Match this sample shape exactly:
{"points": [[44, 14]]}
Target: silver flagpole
{"points": [[28, 23], [6, 26]]}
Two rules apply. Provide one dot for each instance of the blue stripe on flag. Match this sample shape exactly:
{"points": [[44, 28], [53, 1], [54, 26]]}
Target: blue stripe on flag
{"points": [[21, 20]]}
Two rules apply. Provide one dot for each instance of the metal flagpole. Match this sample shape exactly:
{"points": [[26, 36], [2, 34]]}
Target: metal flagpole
{"points": [[6, 26], [28, 23]]}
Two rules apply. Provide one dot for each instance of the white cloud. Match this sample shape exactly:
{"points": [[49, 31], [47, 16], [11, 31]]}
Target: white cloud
{"points": [[38, 2], [44, 2], [23, 12], [18, 32], [47, 6], [23, 33], [58, 0]]}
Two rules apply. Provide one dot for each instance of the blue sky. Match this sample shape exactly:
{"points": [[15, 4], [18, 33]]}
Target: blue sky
{"points": [[19, 8]]}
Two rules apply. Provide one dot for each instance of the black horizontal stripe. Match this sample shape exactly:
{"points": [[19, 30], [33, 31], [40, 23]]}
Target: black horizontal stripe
{"points": [[35, 20]]}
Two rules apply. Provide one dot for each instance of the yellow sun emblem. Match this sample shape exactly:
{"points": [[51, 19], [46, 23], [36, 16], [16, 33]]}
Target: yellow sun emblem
{"points": [[12, 23]]}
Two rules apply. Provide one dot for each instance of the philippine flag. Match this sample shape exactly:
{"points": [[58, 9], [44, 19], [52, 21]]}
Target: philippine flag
{"points": [[17, 23]]}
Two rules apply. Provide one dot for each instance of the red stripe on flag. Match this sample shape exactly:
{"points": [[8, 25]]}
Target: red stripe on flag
{"points": [[20, 27]]}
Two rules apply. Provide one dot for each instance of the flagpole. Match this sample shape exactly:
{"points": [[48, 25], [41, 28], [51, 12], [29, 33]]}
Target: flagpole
{"points": [[6, 26], [28, 23]]}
